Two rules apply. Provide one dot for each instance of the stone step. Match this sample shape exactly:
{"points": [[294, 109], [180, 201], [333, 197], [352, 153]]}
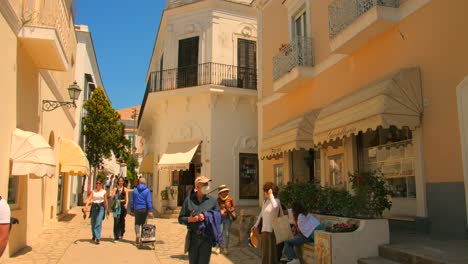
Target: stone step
{"points": [[169, 216], [169, 211], [376, 260], [406, 255]]}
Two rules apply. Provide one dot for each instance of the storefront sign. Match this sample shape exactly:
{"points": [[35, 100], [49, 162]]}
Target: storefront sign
{"points": [[276, 151], [341, 132]]}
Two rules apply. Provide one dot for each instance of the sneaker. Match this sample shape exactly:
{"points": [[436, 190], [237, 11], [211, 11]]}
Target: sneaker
{"points": [[217, 251], [97, 241], [294, 261], [116, 240], [284, 259]]}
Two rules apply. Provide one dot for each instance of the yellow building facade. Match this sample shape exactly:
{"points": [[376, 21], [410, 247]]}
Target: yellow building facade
{"points": [[357, 85], [38, 51]]}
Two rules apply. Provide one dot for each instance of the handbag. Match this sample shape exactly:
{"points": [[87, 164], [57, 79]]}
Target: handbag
{"points": [[282, 228], [232, 215]]}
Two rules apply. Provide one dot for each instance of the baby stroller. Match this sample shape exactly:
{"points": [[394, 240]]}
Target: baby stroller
{"points": [[147, 235]]}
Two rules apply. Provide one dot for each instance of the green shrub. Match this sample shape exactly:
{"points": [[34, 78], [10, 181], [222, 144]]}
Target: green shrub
{"points": [[369, 198], [101, 176]]}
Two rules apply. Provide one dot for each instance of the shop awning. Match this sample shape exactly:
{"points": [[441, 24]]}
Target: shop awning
{"points": [[295, 134], [30, 154], [178, 156], [72, 158], [111, 166], [393, 101], [146, 165]]}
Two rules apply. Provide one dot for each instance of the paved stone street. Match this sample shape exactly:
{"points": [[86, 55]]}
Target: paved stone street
{"points": [[69, 241]]}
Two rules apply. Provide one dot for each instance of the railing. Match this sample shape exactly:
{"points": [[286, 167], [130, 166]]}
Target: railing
{"points": [[203, 74], [199, 75], [49, 14], [343, 13], [297, 53], [176, 3]]}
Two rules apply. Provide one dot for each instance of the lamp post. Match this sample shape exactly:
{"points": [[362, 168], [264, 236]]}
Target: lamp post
{"points": [[73, 91]]}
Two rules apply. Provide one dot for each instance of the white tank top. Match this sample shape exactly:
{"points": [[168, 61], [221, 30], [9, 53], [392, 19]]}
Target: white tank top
{"points": [[98, 197]]}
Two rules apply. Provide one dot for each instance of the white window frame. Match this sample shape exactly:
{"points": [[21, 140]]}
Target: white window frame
{"points": [[296, 8], [277, 168]]}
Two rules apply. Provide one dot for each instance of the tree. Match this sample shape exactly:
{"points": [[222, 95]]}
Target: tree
{"points": [[102, 130]]}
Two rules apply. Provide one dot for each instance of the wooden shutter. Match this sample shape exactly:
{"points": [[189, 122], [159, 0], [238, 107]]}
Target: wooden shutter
{"points": [[246, 63]]}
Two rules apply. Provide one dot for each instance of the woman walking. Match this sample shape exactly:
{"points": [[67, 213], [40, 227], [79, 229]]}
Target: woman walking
{"points": [[270, 210], [226, 204], [119, 208], [98, 201]]}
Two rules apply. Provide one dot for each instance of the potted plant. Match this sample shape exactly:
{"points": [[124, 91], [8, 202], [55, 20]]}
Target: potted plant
{"points": [[164, 198], [172, 192]]}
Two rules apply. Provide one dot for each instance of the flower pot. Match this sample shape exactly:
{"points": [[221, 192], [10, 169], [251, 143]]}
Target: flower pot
{"points": [[172, 204], [164, 203]]}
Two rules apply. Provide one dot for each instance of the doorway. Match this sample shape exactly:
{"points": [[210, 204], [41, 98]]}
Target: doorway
{"points": [[60, 195]]}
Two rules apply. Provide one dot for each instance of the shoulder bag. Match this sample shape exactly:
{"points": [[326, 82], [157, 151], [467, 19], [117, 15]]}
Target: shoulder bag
{"points": [[282, 228]]}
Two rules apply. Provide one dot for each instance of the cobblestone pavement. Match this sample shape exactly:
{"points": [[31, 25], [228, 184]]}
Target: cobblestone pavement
{"points": [[69, 241]]}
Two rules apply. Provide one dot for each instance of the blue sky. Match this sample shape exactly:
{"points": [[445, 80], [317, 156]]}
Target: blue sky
{"points": [[123, 33]]}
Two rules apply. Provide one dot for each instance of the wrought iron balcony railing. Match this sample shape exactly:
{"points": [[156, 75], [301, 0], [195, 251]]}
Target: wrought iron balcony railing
{"points": [[343, 13], [297, 53], [203, 74], [198, 75]]}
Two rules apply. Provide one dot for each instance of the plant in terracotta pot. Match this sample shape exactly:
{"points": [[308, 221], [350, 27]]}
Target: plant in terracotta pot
{"points": [[164, 198]]}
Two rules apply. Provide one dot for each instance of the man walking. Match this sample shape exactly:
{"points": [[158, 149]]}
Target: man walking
{"points": [[141, 206]]}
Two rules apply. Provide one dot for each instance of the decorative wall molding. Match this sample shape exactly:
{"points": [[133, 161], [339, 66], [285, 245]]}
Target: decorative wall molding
{"points": [[190, 130], [213, 101], [244, 144], [235, 102]]}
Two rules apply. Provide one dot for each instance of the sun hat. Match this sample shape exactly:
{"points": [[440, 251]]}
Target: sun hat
{"points": [[223, 188], [253, 240], [202, 179]]}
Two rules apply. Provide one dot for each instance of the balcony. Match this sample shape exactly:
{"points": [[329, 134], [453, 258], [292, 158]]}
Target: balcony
{"points": [[176, 3], [204, 74], [47, 32], [290, 64], [352, 23]]}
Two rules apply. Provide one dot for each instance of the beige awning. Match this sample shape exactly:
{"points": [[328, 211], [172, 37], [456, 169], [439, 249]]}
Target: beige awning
{"points": [[30, 154], [72, 158], [178, 156], [393, 101], [146, 165], [295, 134], [111, 165]]}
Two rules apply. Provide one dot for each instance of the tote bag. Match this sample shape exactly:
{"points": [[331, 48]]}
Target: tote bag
{"points": [[282, 228]]}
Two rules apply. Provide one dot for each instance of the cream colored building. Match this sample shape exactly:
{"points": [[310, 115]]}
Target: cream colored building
{"points": [[38, 51], [199, 111], [349, 85]]}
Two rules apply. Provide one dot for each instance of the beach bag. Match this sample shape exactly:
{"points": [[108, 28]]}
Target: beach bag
{"points": [[282, 228]]}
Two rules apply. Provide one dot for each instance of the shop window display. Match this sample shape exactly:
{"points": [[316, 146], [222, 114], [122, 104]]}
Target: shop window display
{"points": [[391, 152], [248, 176]]}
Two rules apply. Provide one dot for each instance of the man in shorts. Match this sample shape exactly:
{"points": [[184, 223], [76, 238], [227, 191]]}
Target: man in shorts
{"points": [[5, 215]]}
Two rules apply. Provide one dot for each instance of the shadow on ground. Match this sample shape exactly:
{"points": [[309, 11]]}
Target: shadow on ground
{"points": [[180, 257], [67, 218], [22, 251]]}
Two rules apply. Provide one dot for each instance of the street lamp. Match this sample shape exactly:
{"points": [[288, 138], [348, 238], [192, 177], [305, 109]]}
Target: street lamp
{"points": [[73, 91]]}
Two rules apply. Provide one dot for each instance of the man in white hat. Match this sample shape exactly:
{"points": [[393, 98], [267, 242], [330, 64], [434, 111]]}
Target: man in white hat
{"points": [[228, 215], [197, 244]]}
